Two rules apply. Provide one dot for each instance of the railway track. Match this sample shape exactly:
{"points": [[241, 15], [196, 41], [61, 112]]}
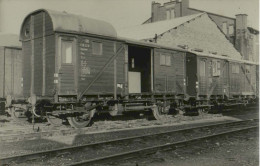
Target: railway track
{"points": [[122, 148]]}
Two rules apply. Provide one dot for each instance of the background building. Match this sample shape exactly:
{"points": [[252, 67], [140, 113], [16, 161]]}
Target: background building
{"points": [[195, 32], [244, 38]]}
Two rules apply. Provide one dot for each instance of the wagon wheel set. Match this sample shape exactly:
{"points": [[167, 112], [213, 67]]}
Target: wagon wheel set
{"points": [[80, 115], [78, 121], [74, 118]]}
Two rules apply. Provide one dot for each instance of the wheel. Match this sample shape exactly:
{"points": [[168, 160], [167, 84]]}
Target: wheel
{"points": [[205, 110], [18, 114], [81, 121], [157, 112], [57, 122]]}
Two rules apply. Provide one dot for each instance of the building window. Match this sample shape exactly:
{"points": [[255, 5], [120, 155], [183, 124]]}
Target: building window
{"points": [[202, 68], [224, 27], [235, 69], [66, 52], [216, 68], [165, 60], [231, 30], [248, 69], [97, 48], [168, 14], [172, 13]]}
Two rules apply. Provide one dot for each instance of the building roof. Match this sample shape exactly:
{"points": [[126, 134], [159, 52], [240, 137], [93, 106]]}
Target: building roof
{"points": [[197, 32], [211, 13], [9, 40], [66, 22], [148, 31]]}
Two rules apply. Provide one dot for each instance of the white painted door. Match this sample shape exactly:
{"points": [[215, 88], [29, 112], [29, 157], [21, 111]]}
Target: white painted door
{"points": [[134, 79]]}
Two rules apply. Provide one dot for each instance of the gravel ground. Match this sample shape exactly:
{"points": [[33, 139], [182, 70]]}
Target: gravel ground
{"points": [[100, 125], [29, 146], [88, 153], [237, 150], [8, 126]]}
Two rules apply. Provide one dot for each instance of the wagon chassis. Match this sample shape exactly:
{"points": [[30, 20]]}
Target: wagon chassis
{"points": [[43, 108], [79, 113]]}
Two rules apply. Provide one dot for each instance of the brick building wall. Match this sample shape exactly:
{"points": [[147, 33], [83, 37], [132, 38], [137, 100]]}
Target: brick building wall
{"points": [[235, 29], [200, 33], [253, 47]]}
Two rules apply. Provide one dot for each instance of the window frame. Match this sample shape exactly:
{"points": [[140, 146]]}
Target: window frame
{"points": [[101, 47], [168, 14], [247, 71], [235, 68], [204, 72], [132, 63], [172, 13], [231, 25], [27, 32], [216, 66], [64, 56], [168, 60], [226, 29], [164, 63]]}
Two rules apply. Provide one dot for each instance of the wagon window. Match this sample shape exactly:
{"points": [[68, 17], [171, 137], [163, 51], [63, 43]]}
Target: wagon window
{"points": [[216, 68], [235, 69], [247, 69], [165, 60], [66, 51], [168, 60], [97, 48], [133, 63], [162, 59], [27, 31], [202, 68]]}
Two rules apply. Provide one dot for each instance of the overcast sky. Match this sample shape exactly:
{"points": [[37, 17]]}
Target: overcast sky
{"points": [[121, 13]]}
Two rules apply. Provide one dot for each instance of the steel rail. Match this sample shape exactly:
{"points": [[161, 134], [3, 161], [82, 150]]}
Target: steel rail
{"points": [[32, 156], [153, 149]]}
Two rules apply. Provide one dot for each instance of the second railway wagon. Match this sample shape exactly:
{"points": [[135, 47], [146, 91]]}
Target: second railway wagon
{"points": [[10, 67], [219, 76], [221, 81]]}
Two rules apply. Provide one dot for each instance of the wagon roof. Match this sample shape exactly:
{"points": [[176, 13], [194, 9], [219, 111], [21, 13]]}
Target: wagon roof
{"points": [[9, 40], [66, 22]]}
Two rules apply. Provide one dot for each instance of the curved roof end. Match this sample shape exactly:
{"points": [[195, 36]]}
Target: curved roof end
{"points": [[66, 22]]}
